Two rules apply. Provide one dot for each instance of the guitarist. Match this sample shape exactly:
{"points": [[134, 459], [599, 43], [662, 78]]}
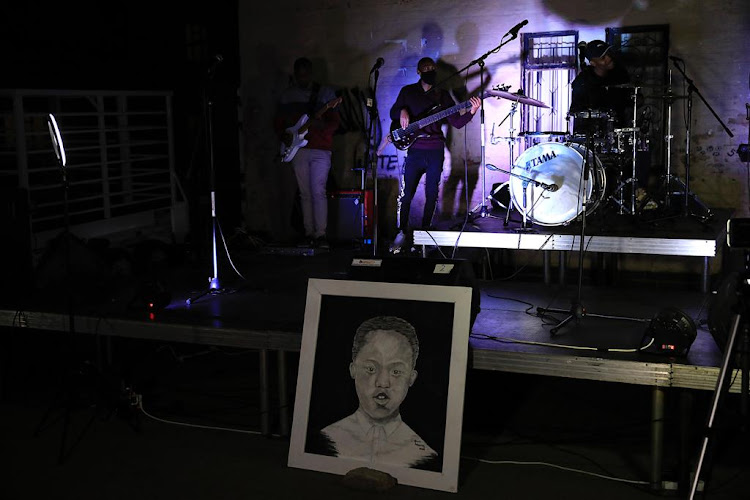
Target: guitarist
{"points": [[312, 162], [426, 154]]}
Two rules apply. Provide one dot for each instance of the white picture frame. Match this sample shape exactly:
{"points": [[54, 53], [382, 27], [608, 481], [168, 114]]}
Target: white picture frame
{"points": [[433, 405]]}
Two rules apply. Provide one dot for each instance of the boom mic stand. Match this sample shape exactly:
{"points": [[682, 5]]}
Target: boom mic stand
{"points": [[692, 89], [214, 287], [484, 211], [577, 310]]}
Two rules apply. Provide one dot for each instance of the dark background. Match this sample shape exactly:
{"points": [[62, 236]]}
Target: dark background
{"points": [[142, 45]]}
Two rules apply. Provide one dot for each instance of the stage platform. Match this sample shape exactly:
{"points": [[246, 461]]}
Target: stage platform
{"points": [[606, 232], [265, 312]]}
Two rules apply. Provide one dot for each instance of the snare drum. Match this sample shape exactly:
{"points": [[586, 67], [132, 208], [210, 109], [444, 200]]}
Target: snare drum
{"points": [[559, 165]]}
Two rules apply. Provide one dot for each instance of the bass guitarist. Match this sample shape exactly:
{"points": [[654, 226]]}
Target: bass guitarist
{"points": [[426, 153], [312, 161]]}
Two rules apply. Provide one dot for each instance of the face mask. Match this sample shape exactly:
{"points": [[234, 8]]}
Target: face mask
{"points": [[429, 77]]}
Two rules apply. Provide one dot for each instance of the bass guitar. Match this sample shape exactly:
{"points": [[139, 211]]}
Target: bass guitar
{"points": [[294, 136], [402, 138]]}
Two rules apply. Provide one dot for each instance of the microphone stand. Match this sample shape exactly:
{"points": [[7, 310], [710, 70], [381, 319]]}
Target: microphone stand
{"points": [[482, 207], [691, 90], [371, 159], [577, 309], [214, 287]]}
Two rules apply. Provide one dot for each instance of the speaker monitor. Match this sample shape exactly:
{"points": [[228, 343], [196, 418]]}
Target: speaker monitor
{"points": [[421, 271]]}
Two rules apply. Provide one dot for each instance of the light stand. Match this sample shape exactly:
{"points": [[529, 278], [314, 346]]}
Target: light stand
{"points": [[577, 310], [71, 378], [692, 89], [214, 287]]}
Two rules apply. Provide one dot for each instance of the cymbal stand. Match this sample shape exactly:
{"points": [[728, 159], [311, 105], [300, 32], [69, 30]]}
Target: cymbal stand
{"points": [[668, 139], [693, 90], [633, 180], [634, 177]]}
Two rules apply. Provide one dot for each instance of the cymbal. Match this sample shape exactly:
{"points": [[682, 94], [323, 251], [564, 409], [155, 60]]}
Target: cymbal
{"points": [[635, 85], [519, 97], [540, 134], [666, 96]]}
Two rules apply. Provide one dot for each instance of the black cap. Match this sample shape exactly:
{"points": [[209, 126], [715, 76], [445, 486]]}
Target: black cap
{"points": [[596, 48]]}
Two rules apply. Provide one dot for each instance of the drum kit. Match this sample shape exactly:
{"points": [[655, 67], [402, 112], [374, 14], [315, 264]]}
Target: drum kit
{"points": [[546, 184]]}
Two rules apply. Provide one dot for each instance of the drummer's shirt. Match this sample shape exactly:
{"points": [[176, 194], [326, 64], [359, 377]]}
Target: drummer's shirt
{"points": [[590, 92]]}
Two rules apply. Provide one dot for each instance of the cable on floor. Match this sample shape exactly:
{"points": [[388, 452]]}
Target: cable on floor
{"points": [[483, 336], [139, 405], [554, 466]]}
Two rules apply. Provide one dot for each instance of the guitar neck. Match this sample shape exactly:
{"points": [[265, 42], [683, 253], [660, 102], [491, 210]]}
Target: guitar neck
{"points": [[316, 116], [437, 116], [413, 127]]}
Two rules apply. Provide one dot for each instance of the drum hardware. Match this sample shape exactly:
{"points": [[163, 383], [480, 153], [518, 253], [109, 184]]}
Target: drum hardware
{"points": [[510, 138], [525, 180], [517, 97]]}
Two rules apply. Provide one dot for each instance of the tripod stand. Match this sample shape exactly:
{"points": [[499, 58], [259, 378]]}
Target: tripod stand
{"points": [[577, 310], [723, 382]]}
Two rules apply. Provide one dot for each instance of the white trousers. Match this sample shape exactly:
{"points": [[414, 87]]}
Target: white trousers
{"points": [[311, 167]]}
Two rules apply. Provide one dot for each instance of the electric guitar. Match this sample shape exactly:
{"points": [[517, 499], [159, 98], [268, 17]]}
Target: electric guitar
{"points": [[402, 138], [295, 135]]}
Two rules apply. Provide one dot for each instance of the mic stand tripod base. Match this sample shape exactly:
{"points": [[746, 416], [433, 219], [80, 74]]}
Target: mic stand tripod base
{"points": [[213, 289], [576, 311]]}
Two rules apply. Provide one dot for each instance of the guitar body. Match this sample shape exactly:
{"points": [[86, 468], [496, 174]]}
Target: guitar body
{"points": [[298, 139], [403, 138]]}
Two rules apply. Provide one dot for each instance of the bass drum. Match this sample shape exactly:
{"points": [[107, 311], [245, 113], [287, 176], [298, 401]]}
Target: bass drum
{"points": [[561, 165]]}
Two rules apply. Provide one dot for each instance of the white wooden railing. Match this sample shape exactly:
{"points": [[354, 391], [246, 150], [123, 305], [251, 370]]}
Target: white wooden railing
{"points": [[120, 168]]}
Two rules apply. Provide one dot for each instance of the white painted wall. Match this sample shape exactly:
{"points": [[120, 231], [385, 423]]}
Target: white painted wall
{"points": [[345, 37]]}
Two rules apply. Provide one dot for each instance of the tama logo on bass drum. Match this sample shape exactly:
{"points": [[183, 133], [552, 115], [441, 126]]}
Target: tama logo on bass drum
{"points": [[534, 162]]}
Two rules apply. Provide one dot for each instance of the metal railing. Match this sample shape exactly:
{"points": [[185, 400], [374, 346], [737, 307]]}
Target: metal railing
{"points": [[120, 169]]}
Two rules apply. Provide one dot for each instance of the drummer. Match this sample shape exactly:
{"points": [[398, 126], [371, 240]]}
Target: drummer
{"points": [[592, 88]]}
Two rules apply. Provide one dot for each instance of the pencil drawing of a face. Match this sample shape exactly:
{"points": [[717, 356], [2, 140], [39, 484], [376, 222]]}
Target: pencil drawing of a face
{"points": [[383, 371]]}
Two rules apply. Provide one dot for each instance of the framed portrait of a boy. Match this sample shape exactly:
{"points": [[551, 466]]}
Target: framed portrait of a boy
{"points": [[381, 380]]}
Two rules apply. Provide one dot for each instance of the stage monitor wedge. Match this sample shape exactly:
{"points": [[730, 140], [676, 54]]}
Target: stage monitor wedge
{"points": [[421, 271]]}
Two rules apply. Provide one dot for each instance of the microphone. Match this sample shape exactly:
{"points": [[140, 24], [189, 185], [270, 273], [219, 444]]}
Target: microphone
{"points": [[215, 61], [551, 187], [514, 30], [378, 64], [675, 58]]}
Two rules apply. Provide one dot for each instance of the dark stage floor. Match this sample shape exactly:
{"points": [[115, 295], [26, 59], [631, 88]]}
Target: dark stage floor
{"points": [[541, 430]]}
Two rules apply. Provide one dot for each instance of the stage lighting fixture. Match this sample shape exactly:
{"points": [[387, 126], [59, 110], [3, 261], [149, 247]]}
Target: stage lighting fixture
{"points": [[744, 152], [673, 332]]}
